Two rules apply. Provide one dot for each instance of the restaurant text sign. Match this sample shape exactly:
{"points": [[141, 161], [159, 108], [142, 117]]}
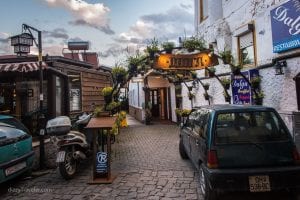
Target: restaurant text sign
{"points": [[185, 61], [285, 21]]}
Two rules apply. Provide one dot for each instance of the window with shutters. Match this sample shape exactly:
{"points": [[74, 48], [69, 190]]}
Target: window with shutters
{"points": [[203, 10], [246, 49]]}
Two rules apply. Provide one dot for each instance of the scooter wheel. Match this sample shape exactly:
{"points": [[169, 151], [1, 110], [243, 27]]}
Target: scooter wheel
{"points": [[68, 168]]}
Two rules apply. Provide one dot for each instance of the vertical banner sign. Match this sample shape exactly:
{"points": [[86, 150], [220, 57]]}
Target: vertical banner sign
{"points": [[285, 22], [241, 90], [101, 162]]}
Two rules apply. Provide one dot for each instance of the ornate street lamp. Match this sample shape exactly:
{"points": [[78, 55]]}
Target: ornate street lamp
{"points": [[22, 45]]}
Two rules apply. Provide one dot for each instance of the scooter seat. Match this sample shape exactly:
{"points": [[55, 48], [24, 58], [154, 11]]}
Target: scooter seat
{"points": [[77, 133]]}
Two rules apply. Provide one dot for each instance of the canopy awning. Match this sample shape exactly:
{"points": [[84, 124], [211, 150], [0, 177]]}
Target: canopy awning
{"points": [[21, 67]]}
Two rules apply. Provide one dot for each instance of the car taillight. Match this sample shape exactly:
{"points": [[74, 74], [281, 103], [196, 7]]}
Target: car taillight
{"points": [[296, 156], [212, 160]]}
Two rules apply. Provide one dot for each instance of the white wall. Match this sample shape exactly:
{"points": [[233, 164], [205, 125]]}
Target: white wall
{"points": [[280, 91], [136, 95]]}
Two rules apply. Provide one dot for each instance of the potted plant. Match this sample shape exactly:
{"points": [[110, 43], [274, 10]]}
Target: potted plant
{"points": [[148, 116], [206, 86], [119, 73], [206, 96], [152, 48], [168, 46], [191, 95], [107, 94], [225, 82], [179, 96], [227, 96], [185, 112], [258, 97], [255, 81], [236, 69], [193, 44], [194, 74], [226, 56], [211, 71]]}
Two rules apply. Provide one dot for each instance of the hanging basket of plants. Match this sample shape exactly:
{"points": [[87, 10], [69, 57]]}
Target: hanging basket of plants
{"points": [[107, 94], [211, 71], [226, 83], [255, 81], [168, 47], [206, 86], [206, 96], [236, 70], [258, 98]]}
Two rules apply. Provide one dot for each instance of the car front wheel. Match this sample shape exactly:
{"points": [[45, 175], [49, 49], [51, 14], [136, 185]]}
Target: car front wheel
{"points": [[207, 192]]}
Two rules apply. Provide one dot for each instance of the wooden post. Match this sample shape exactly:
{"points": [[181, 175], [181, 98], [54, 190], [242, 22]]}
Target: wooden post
{"points": [[101, 159]]}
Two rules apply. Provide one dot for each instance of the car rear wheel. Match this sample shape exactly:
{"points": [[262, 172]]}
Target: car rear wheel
{"points": [[182, 152], [207, 192]]}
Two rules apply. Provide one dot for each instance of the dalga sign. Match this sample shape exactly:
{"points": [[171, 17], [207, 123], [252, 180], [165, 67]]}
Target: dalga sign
{"points": [[285, 22]]}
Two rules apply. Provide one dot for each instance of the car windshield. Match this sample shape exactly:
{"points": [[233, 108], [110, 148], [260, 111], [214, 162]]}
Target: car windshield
{"points": [[12, 122], [240, 127]]}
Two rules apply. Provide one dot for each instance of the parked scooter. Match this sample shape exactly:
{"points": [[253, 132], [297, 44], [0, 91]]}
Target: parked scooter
{"points": [[73, 145]]}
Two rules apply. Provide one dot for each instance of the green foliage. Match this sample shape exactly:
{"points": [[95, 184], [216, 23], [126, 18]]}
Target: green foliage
{"points": [[225, 81], [255, 79], [194, 74], [107, 91], [193, 43], [119, 73], [259, 95], [153, 46], [182, 112], [168, 46], [226, 56], [98, 110], [113, 105]]}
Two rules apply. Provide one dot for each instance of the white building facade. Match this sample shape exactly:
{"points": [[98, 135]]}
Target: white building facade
{"points": [[260, 34]]}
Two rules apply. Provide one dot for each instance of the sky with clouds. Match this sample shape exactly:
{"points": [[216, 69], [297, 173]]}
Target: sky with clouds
{"points": [[113, 28]]}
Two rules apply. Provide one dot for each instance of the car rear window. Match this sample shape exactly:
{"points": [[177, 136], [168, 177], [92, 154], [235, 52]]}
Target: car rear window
{"points": [[238, 127], [14, 123]]}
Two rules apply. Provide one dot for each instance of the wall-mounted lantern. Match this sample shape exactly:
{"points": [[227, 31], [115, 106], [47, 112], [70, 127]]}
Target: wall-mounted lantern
{"points": [[279, 65]]}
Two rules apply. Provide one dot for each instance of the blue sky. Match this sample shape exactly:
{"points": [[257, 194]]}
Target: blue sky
{"points": [[110, 26]]}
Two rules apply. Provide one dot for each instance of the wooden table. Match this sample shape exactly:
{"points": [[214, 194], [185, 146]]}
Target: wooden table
{"points": [[101, 149]]}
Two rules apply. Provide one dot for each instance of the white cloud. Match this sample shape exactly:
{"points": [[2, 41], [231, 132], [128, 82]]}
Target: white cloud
{"points": [[86, 14], [5, 47], [165, 26]]}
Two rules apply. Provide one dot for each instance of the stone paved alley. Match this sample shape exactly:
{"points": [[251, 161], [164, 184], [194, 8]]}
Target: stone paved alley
{"points": [[146, 162]]}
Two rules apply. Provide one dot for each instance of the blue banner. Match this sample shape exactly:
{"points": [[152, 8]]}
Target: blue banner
{"points": [[285, 21], [241, 90], [101, 162]]}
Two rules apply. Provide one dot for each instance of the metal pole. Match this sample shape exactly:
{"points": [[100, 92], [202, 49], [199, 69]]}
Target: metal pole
{"points": [[41, 116]]}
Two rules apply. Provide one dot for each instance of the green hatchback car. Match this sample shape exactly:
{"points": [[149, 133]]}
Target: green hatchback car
{"points": [[240, 148], [16, 153]]}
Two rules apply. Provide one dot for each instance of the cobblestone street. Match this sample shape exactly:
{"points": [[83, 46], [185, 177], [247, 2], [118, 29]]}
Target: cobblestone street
{"points": [[146, 163], [145, 160]]}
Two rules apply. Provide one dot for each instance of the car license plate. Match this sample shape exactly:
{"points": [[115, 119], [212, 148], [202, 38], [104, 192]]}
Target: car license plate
{"points": [[60, 156], [259, 183], [15, 168]]}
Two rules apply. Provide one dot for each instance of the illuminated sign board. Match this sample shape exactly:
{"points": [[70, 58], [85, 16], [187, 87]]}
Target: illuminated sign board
{"points": [[185, 61]]}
